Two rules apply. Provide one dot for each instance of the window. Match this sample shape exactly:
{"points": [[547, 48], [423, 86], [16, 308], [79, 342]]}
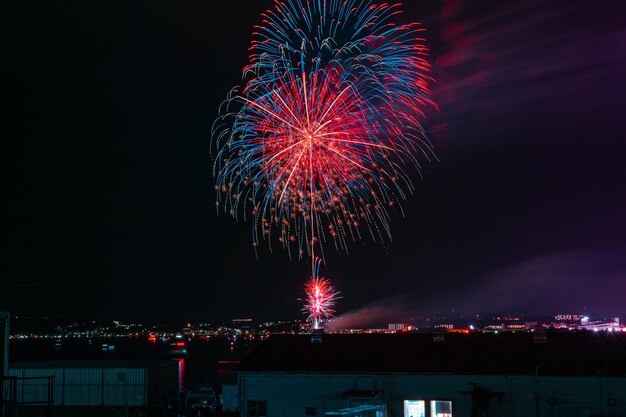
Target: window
{"points": [[257, 408], [413, 408], [441, 409], [422, 408], [121, 377]]}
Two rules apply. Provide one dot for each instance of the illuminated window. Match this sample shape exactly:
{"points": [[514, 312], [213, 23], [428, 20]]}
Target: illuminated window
{"points": [[414, 408], [257, 408], [441, 409], [421, 408]]}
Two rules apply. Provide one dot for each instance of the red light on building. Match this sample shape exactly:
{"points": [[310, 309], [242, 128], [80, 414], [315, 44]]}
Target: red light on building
{"points": [[463, 331], [228, 362]]}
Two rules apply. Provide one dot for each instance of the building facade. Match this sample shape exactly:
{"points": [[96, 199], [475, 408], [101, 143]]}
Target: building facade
{"points": [[295, 394], [96, 383], [420, 376]]}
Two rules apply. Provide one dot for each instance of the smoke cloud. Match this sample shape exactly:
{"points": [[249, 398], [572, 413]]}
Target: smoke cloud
{"points": [[589, 282]]}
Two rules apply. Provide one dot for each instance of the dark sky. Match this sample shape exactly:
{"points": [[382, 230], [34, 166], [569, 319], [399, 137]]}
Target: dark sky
{"points": [[108, 204]]}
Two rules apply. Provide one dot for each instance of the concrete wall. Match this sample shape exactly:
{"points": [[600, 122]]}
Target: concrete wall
{"points": [[288, 395]]}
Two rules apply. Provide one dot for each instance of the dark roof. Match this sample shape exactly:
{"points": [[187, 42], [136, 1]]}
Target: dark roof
{"points": [[563, 354], [87, 364]]}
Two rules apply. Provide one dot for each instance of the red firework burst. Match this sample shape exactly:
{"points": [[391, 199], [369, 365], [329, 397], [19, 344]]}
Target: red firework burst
{"points": [[316, 145], [320, 298]]}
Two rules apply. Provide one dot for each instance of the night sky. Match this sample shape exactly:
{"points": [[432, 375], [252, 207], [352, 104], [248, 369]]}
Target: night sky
{"points": [[108, 208]]}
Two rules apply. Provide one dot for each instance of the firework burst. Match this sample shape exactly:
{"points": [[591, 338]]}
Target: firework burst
{"points": [[320, 298], [314, 147]]}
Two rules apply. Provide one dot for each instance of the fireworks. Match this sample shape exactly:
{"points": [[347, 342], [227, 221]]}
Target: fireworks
{"points": [[320, 298], [315, 147]]}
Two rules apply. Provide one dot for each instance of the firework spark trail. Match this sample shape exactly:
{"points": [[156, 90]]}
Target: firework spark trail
{"points": [[315, 145], [320, 297]]}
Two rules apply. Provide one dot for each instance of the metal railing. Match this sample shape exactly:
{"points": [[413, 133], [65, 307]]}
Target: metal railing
{"points": [[10, 398]]}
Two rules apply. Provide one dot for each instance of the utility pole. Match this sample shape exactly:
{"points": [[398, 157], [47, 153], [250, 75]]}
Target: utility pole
{"points": [[4, 356], [4, 343]]}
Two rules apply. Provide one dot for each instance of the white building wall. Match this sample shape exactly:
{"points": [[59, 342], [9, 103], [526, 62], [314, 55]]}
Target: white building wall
{"points": [[230, 398], [563, 396], [80, 386], [85, 386], [288, 395], [124, 386]]}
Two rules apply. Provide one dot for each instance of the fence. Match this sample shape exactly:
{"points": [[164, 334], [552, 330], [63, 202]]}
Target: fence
{"points": [[40, 390], [11, 397]]}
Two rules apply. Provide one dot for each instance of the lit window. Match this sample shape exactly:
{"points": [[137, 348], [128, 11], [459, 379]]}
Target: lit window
{"points": [[441, 409], [413, 408]]}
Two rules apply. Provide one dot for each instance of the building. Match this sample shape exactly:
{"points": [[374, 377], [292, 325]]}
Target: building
{"points": [[97, 383], [437, 375], [230, 399], [596, 326]]}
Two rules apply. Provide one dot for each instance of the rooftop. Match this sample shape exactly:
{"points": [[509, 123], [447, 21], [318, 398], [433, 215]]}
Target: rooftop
{"points": [[561, 354]]}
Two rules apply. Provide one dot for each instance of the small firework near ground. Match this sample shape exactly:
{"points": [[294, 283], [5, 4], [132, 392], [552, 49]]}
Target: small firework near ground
{"points": [[320, 298]]}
